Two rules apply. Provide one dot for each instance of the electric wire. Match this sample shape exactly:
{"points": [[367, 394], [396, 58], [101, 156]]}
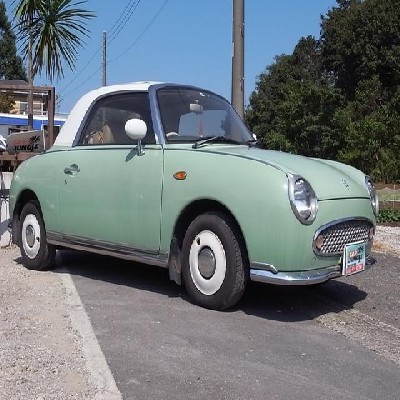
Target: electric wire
{"points": [[115, 30], [114, 26], [141, 34], [79, 73], [125, 20], [144, 31]]}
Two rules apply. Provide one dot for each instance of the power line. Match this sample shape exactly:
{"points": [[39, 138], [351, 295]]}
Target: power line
{"points": [[141, 34], [125, 20], [114, 27], [80, 72], [125, 15], [147, 27], [81, 83]]}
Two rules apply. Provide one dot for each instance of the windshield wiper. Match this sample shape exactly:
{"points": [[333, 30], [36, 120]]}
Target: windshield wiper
{"points": [[214, 139], [254, 143]]}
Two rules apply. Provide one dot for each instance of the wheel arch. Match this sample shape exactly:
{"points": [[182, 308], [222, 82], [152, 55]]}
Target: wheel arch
{"points": [[24, 197], [187, 215]]}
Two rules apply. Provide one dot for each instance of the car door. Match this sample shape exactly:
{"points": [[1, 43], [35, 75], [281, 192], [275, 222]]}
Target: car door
{"points": [[109, 195]]}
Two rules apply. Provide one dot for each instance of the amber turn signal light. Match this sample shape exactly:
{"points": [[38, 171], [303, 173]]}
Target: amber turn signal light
{"points": [[180, 175]]}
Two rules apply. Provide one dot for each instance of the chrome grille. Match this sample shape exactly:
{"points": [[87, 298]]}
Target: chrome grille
{"points": [[332, 238]]}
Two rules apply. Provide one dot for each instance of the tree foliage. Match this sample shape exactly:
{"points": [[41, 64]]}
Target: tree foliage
{"points": [[10, 63], [6, 103], [338, 96], [53, 29]]}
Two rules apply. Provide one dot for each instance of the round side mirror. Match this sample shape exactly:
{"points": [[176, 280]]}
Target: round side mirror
{"points": [[135, 129]]}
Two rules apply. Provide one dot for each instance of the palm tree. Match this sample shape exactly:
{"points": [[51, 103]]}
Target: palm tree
{"points": [[51, 32]]}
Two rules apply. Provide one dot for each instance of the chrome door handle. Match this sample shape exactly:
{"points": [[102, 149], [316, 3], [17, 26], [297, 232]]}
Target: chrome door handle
{"points": [[73, 169]]}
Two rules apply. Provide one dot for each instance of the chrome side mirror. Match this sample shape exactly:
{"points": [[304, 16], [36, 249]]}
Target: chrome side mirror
{"points": [[136, 129]]}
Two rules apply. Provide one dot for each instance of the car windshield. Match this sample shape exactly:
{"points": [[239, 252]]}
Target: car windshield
{"points": [[191, 115]]}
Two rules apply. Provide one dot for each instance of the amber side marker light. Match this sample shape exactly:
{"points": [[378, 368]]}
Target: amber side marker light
{"points": [[180, 175]]}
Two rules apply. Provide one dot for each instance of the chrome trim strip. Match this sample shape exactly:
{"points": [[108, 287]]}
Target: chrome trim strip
{"points": [[372, 195], [336, 222], [298, 278], [109, 249], [263, 266], [314, 206]]}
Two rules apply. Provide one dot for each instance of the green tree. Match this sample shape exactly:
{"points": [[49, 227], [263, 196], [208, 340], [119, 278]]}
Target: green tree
{"points": [[10, 63], [360, 39], [338, 96], [51, 31], [293, 107], [372, 134], [360, 45], [6, 103]]}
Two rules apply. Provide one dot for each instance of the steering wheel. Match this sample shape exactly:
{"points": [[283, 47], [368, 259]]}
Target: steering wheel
{"points": [[172, 134], [94, 137]]}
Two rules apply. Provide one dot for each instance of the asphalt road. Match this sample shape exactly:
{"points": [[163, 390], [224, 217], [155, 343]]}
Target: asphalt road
{"points": [[339, 340]]}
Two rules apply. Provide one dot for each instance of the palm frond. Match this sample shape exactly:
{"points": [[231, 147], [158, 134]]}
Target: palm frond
{"points": [[57, 28]]}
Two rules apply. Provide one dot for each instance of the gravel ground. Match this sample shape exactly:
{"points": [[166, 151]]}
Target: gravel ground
{"points": [[387, 239], [41, 355]]}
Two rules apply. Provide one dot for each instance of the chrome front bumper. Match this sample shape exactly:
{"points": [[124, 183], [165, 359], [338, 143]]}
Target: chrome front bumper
{"points": [[303, 277]]}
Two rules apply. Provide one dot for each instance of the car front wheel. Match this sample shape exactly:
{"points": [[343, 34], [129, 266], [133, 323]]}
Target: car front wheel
{"points": [[213, 262], [35, 251]]}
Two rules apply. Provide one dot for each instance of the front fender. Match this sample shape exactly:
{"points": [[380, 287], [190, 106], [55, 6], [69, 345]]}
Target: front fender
{"points": [[255, 194], [36, 176]]}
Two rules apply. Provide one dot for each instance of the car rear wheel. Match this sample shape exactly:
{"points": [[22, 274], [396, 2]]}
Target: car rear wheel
{"points": [[213, 262], [35, 251]]}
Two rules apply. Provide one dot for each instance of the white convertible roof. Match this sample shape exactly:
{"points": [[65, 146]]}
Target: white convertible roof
{"points": [[69, 129]]}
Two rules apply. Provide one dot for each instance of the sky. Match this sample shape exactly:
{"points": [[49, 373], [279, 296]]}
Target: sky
{"points": [[183, 41]]}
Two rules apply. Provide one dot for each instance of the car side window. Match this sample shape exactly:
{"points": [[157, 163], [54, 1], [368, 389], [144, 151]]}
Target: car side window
{"points": [[105, 124]]}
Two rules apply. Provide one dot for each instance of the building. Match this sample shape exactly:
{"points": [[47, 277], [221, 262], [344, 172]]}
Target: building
{"points": [[21, 99], [10, 123], [17, 119]]}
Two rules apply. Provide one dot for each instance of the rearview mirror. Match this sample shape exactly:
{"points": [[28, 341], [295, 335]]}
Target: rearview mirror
{"points": [[136, 129], [196, 108]]}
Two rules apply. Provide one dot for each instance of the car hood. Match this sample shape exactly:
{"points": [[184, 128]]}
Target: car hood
{"points": [[329, 179]]}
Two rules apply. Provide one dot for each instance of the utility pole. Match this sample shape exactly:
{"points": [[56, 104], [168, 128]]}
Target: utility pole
{"points": [[104, 64], [30, 76], [238, 57]]}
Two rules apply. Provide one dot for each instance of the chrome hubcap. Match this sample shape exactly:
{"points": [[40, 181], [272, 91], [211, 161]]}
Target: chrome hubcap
{"points": [[206, 262], [30, 235]]}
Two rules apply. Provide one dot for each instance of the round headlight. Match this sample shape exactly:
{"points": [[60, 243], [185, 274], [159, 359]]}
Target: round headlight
{"points": [[302, 200], [372, 194]]}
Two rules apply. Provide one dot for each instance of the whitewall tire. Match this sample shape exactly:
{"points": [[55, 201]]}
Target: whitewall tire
{"points": [[214, 265], [35, 251]]}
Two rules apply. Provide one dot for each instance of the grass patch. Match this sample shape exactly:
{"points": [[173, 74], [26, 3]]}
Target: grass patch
{"points": [[389, 196], [388, 215]]}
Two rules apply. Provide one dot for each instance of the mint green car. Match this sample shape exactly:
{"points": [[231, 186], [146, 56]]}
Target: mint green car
{"points": [[169, 175]]}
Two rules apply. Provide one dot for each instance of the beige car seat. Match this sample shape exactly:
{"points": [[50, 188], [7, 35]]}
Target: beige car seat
{"points": [[107, 134]]}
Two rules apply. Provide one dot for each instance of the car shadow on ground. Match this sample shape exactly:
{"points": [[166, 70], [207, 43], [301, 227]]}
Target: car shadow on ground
{"points": [[299, 303], [117, 272], [280, 303]]}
